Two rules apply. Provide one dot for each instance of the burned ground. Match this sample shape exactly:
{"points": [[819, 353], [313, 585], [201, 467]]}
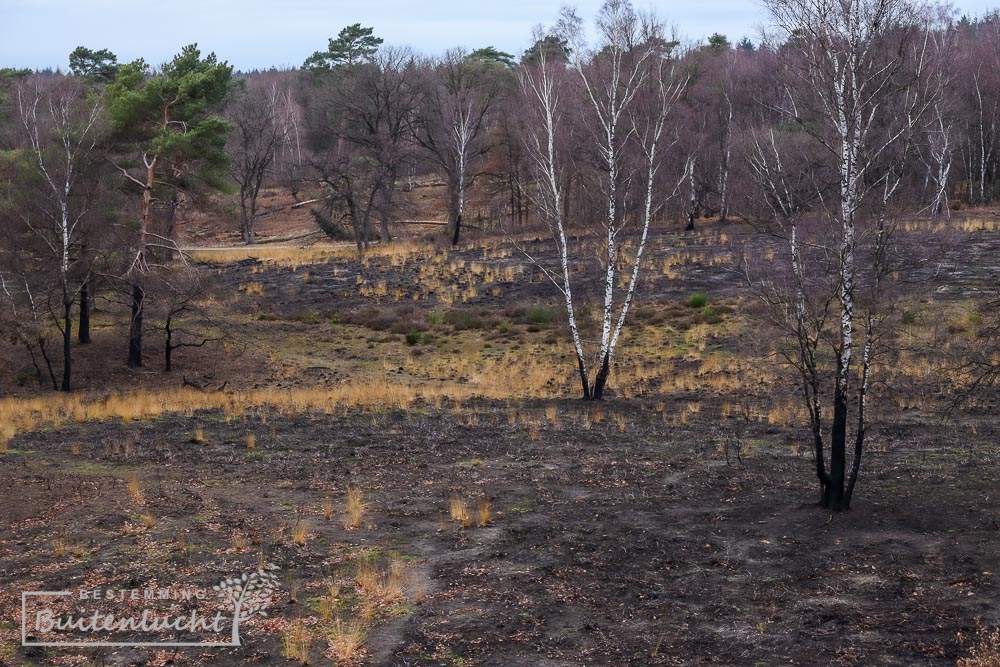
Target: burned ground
{"points": [[673, 524]]}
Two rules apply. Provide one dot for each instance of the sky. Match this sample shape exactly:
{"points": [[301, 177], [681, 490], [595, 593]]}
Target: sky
{"points": [[258, 34]]}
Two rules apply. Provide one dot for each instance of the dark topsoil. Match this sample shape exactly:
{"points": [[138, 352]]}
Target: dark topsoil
{"points": [[631, 542], [642, 547]]}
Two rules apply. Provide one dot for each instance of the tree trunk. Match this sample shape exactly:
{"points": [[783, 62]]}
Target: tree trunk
{"points": [[135, 327], [168, 348], [693, 201], [252, 223], [244, 216], [458, 229], [568, 197], [83, 335], [601, 381], [583, 378], [171, 218], [833, 493], [48, 364], [67, 343]]}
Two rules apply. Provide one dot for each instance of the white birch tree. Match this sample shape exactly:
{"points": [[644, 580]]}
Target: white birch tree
{"points": [[453, 122], [61, 126], [631, 62], [855, 81]]}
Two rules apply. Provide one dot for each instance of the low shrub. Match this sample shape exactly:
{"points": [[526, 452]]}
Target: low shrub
{"points": [[697, 300], [539, 315]]}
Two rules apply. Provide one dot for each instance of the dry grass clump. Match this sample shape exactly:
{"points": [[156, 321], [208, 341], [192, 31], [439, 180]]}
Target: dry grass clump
{"points": [[985, 650], [241, 541], [328, 508], [484, 512], [346, 641], [147, 520], [135, 489], [460, 512], [552, 414], [380, 588], [296, 642], [465, 516], [300, 533], [7, 431], [251, 441], [968, 225], [354, 509], [327, 604], [785, 414], [252, 289]]}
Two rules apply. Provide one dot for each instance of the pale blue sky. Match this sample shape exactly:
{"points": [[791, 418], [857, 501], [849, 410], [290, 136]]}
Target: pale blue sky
{"points": [[261, 33]]}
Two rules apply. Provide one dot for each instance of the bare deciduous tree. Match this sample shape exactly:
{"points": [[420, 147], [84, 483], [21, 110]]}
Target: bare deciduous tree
{"points": [[452, 122], [630, 88], [253, 144], [359, 128], [854, 88], [61, 127]]}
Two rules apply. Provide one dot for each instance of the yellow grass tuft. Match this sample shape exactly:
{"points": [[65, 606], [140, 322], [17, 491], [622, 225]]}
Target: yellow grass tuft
{"points": [[347, 640], [354, 509], [252, 289], [148, 521], [484, 512], [328, 508], [135, 489], [328, 603], [296, 642], [488, 378], [251, 441], [380, 588], [241, 541], [300, 533], [7, 426], [460, 512]]}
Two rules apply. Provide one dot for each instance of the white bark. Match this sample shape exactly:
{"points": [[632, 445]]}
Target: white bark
{"points": [[75, 139], [462, 133], [541, 87], [611, 97], [621, 124]]}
